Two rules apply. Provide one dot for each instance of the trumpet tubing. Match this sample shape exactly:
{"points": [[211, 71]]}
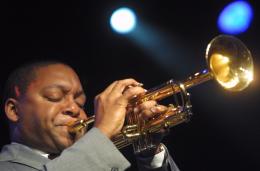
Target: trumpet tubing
{"points": [[229, 63]]}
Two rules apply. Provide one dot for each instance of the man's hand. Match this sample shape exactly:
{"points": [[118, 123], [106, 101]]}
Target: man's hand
{"points": [[111, 104], [111, 107], [146, 111]]}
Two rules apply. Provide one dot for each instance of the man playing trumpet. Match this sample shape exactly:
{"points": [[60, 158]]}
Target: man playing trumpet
{"points": [[40, 101]]}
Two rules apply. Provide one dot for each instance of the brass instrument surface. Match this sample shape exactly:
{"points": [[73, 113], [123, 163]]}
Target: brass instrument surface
{"points": [[229, 63]]}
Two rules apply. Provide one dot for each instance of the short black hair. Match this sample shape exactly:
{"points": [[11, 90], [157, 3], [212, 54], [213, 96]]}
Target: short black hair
{"points": [[23, 76]]}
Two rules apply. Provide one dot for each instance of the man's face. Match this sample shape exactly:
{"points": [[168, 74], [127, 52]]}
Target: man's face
{"points": [[51, 101]]}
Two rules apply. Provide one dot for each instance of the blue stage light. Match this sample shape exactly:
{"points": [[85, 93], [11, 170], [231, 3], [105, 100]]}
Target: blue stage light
{"points": [[123, 20], [235, 17]]}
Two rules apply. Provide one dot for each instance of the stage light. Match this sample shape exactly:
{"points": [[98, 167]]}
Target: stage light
{"points": [[235, 18], [123, 20]]}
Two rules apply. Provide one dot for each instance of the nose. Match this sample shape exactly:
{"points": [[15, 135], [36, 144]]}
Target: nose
{"points": [[71, 109]]}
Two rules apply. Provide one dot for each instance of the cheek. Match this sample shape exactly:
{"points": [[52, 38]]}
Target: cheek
{"points": [[42, 114], [36, 121], [50, 112]]}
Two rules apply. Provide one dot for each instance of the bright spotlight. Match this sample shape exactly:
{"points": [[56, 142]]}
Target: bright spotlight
{"points": [[235, 17], [123, 20]]}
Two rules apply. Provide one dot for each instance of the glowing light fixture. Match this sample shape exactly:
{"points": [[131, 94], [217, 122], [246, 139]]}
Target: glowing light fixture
{"points": [[123, 20], [235, 18]]}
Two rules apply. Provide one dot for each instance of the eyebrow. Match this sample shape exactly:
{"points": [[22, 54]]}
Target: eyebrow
{"points": [[63, 88]]}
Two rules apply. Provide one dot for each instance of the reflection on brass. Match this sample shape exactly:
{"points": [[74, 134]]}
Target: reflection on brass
{"points": [[229, 63]]}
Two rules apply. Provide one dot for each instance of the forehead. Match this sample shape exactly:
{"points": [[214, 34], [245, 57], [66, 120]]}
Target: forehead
{"points": [[55, 74]]}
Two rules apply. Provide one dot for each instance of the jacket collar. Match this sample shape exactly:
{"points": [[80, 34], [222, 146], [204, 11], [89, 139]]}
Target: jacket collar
{"points": [[22, 154]]}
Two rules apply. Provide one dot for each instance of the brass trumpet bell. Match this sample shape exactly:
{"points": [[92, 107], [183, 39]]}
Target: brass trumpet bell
{"points": [[230, 62]]}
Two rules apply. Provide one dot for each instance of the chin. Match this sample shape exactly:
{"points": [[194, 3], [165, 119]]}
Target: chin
{"points": [[64, 143], [63, 139]]}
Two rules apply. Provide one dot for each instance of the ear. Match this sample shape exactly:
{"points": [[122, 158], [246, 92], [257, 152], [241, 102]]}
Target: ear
{"points": [[11, 109]]}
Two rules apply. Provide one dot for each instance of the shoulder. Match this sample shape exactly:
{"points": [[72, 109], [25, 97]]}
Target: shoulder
{"points": [[13, 166], [6, 166]]}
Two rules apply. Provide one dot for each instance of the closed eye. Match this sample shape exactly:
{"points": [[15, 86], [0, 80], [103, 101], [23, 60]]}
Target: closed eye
{"points": [[54, 99]]}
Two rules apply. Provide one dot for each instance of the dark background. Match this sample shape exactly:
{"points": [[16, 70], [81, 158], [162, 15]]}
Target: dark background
{"points": [[224, 133]]}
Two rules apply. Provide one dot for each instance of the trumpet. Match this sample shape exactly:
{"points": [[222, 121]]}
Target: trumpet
{"points": [[229, 62]]}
